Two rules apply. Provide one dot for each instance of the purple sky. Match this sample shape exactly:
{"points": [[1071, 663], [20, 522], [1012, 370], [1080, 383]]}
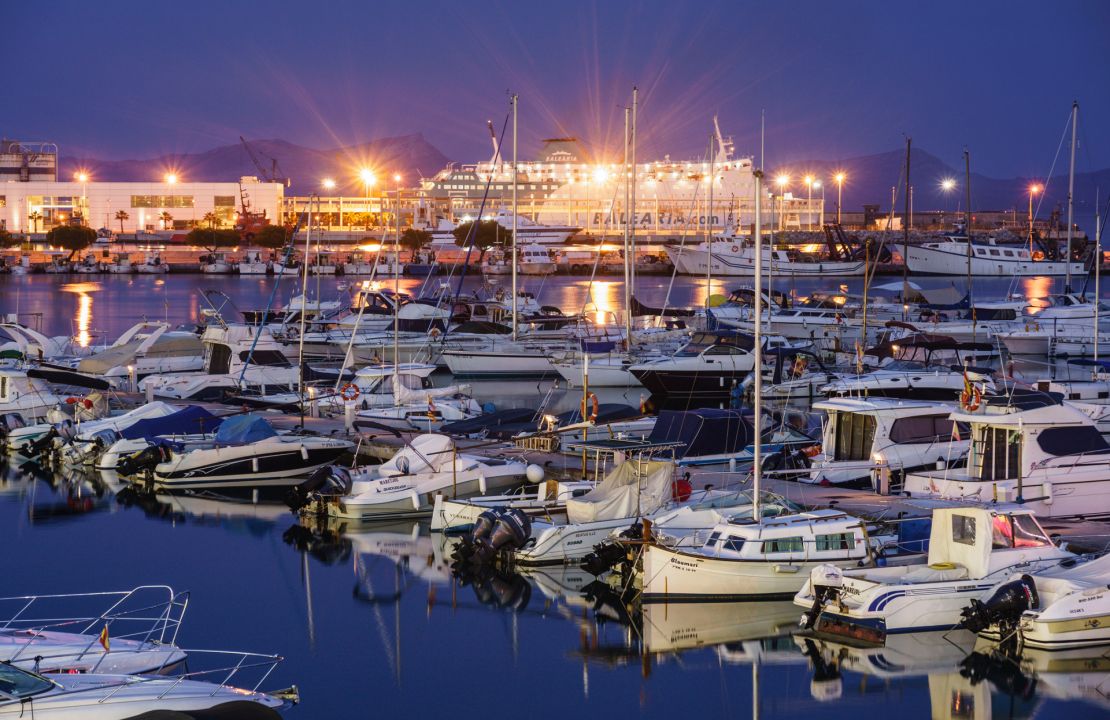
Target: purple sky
{"points": [[837, 79]]}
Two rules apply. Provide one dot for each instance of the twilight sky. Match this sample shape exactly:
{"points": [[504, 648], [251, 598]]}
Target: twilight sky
{"points": [[134, 79]]}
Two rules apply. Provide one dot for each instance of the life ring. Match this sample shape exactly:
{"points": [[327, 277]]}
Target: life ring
{"points": [[349, 392], [812, 451], [434, 333], [735, 248], [593, 408], [971, 400]]}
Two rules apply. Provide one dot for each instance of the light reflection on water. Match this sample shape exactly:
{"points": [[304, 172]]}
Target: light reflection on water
{"points": [[380, 602], [83, 317]]}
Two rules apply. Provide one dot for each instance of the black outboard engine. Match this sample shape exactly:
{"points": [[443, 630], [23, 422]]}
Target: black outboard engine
{"points": [[495, 529], [34, 450], [1003, 608], [144, 460], [327, 481]]}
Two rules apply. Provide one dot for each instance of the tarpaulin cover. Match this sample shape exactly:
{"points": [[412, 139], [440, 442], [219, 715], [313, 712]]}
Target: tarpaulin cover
{"points": [[189, 420], [244, 429], [630, 490], [706, 431]]}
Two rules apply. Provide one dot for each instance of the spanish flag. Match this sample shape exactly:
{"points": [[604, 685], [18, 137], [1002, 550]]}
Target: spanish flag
{"points": [[105, 641]]}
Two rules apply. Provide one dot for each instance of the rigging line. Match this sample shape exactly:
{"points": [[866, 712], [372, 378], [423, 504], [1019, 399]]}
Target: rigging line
{"points": [[1052, 168], [681, 243]]}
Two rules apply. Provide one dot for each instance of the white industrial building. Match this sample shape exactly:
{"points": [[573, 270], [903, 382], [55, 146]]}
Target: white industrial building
{"points": [[38, 205]]}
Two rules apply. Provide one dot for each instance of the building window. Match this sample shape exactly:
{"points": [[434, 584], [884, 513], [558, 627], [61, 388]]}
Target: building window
{"points": [[3, 200], [161, 201], [223, 201]]}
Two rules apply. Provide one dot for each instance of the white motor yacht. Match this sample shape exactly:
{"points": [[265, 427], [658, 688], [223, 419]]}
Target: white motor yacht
{"points": [[30, 397], [952, 256], [147, 348], [862, 434]]}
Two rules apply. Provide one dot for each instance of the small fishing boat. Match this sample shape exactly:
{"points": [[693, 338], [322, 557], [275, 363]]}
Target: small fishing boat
{"points": [[970, 551], [253, 263], [152, 264], [407, 484], [217, 263], [248, 454], [120, 264]]}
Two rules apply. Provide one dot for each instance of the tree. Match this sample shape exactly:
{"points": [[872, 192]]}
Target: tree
{"points": [[415, 240], [74, 238], [210, 218], [35, 217], [273, 237], [166, 219], [8, 240], [487, 235], [122, 215], [213, 239]]}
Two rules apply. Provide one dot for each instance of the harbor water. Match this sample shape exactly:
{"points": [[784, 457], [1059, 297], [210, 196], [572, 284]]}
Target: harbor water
{"points": [[372, 623]]}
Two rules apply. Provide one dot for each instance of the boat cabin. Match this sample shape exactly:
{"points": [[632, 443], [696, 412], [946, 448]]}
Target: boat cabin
{"points": [[820, 535]]}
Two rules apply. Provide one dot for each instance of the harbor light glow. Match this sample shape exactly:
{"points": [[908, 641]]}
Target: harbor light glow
{"points": [[947, 184], [81, 176], [368, 177], [840, 178], [170, 178], [328, 184], [782, 180], [1035, 189]]}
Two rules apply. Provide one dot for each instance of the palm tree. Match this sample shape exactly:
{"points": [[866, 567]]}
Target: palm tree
{"points": [[35, 217], [166, 219], [122, 215], [211, 218]]}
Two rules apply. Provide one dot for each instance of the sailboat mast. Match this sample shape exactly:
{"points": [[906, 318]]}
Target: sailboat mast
{"points": [[906, 231], [757, 353], [709, 221], [632, 202], [1098, 268], [627, 238], [516, 302], [1071, 193], [304, 311], [967, 220]]}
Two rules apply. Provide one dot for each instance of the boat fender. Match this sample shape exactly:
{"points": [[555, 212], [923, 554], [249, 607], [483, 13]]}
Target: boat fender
{"points": [[1046, 491], [681, 489], [254, 465], [482, 482], [304, 454]]}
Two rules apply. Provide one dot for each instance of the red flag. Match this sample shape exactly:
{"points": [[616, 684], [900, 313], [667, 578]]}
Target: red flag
{"points": [[105, 641]]}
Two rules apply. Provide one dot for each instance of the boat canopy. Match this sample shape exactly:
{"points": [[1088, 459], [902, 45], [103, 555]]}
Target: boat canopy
{"points": [[706, 431], [188, 420], [965, 537], [631, 489], [430, 452], [244, 429]]}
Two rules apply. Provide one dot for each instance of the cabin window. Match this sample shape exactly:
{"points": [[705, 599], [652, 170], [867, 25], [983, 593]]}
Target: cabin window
{"points": [[963, 529], [713, 537], [854, 435], [1027, 533], [219, 360], [3, 387], [1071, 440], [1002, 535], [994, 252], [836, 541], [1008, 253], [733, 543], [924, 429], [999, 452], [272, 358], [725, 350], [783, 545]]}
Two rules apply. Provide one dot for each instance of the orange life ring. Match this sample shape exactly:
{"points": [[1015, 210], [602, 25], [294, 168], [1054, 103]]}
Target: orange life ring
{"points": [[349, 392], [593, 409], [736, 248], [812, 451], [971, 401]]}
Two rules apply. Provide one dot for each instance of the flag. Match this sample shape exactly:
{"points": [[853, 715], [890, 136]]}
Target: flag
{"points": [[105, 641]]}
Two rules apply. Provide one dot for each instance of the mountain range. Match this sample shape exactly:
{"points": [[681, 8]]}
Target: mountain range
{"points": [[869, 177]]}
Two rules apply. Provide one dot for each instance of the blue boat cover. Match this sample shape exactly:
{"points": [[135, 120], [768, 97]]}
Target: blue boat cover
{"points": [[706, 431], [187, 421], [244, 429]]}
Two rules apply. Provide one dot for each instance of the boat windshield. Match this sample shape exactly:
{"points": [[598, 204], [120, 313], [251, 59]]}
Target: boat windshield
{"points": [[904, 365], [17, 683]]}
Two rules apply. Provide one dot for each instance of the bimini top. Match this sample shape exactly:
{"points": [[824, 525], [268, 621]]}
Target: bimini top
{"points": [[244, 429], [707, 431], [187, 421]]}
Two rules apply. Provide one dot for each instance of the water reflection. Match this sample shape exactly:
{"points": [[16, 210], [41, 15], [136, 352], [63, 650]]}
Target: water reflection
{"points": [[83, 317]]}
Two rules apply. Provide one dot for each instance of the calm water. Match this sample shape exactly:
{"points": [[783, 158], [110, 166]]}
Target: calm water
{"points": [[372, 623]]}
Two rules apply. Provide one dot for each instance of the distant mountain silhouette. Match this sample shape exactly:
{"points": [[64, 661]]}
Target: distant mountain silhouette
{"points": [[410, 155], [870, 178]]}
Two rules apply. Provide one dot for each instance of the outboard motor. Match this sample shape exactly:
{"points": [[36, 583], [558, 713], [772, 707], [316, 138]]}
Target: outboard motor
{"points": [[327, 481], [1003, 608], [34, 450], [496, 529], [144, 460]]}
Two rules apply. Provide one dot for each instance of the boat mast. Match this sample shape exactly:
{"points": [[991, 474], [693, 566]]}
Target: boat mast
{"points": [[906, 233], [627, 239], [304, 310], [967, 211], [1098, 270], [1071, 193], [515, 299], [709, 222], [632, 204], [757, 367]]}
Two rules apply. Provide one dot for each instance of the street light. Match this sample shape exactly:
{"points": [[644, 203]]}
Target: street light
{"points": [[1034, 189], [782, 181], [947, 185], [83, 177], [368, 180], [171, 178], [328, 184], [809, 201], [839, 177]]}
